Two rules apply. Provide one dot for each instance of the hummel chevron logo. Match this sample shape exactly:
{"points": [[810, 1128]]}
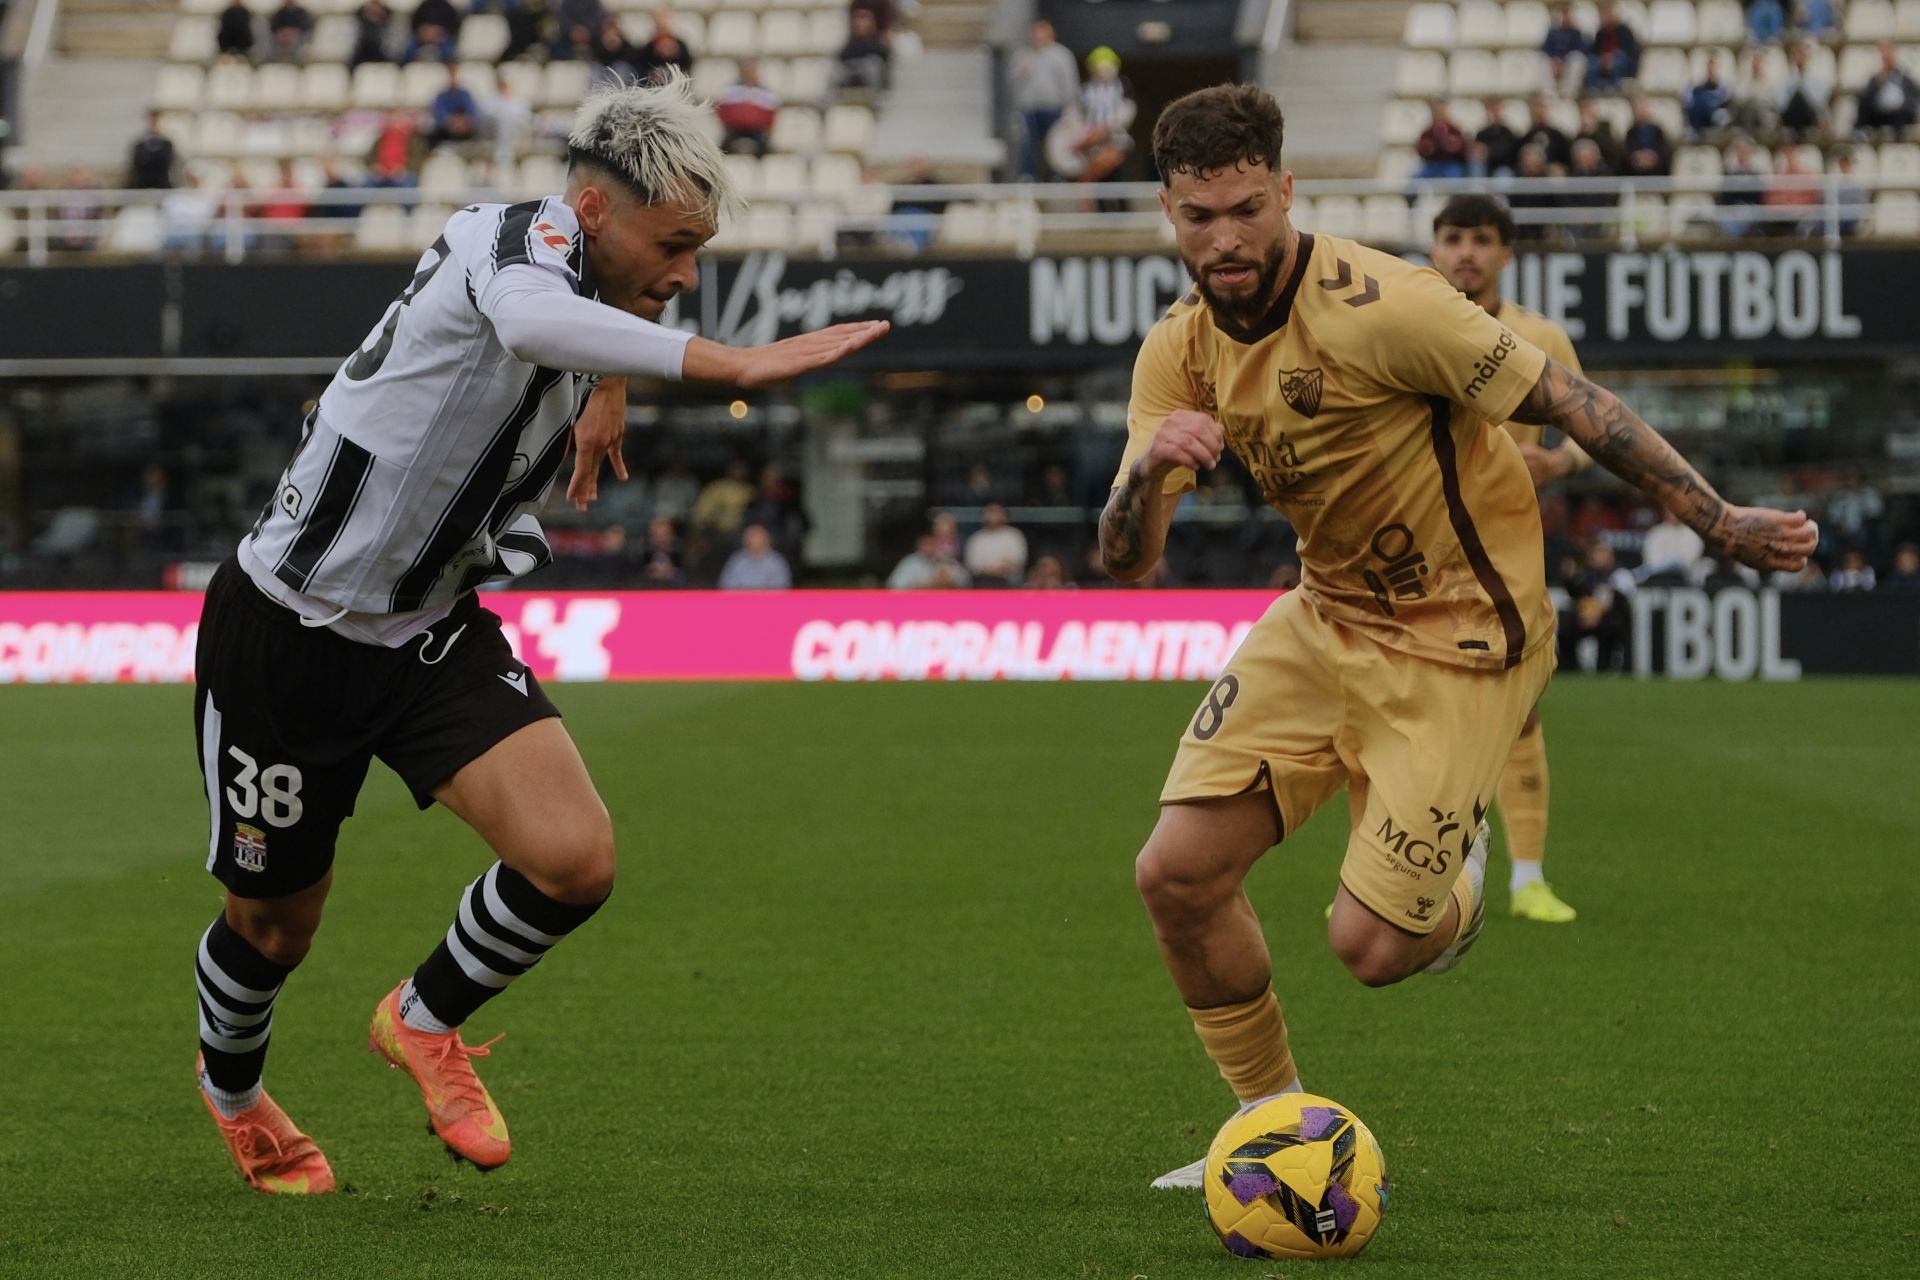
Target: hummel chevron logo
{"points": [[518, 680], [1343, 279]]}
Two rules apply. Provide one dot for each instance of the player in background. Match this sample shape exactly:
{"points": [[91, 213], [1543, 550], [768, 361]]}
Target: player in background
{"points": [[346, 627], [1363, 394], [1472, 245]]}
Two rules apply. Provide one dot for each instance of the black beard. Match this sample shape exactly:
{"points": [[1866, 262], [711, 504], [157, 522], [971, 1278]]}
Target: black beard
{"points": [[1245, 315]]}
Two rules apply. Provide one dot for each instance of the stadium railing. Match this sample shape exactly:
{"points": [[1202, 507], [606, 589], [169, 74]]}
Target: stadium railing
{"points": [[1022, 220]]}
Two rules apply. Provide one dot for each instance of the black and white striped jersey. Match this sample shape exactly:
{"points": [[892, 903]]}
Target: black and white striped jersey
{"points": [[419, 472]]}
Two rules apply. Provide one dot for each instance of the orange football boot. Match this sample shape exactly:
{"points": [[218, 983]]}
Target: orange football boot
{"points": [[273, 1155], [459, 1107]]}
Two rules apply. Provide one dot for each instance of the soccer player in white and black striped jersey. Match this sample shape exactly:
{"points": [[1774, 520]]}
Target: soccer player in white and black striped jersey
{"points": [[346, 627]]}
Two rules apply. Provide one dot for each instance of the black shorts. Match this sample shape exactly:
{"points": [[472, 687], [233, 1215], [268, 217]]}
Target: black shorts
{"points": [[287, 717]]}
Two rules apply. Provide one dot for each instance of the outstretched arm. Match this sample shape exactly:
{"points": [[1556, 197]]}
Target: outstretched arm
{"points": [[1616, 438]]}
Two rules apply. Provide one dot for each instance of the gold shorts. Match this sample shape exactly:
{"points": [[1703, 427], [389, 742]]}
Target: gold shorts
{"points": [[1307, 704]]}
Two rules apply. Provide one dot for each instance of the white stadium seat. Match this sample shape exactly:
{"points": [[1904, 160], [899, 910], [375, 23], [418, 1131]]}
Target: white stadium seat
{"points": [[483, 37], [827, 31], [381, 228], [1664, 71], [276, 87], [1472, 73], [1527, 24], [807, 78], [1420, 74], [1720, 22], [333, 39], [834, 176], [376, 86], [564, 84], [1869, 20], [745, 171], [1337, 215], [1481, 24], [1672, 22], [193, 41], [421, 83], [767, 226], [1858, 63], [1906, 20], [1522, 72], [1469, 113], [1385, 221], [1401, 122], [783, 175], [179, 88], [1900, 162], [1430, 26], [324, 87], [216, 133], [1896, 214], [733, 35], [1395, 165], [443, 175], [136, 229], [849, 128], [784, 35], [796, 129], [713, 76], [541, 175], [966, 224], [229, 85]]}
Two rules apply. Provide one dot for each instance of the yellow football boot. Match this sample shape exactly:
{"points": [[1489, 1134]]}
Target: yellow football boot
{"points": [[1537, 901]]}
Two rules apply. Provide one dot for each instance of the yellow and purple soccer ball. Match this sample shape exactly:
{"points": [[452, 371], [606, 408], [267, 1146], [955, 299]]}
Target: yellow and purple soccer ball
{"points": [[1296, 1177]]}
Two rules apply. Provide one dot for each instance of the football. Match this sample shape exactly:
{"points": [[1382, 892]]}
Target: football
{"points": [[1296, 1177]]}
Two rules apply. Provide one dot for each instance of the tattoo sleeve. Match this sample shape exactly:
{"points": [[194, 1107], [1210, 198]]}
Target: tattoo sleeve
{"points": [[1615, 437], [1129, 531]]}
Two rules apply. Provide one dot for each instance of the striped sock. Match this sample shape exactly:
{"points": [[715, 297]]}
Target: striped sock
{"points": [[237, 987], [503, 927]]}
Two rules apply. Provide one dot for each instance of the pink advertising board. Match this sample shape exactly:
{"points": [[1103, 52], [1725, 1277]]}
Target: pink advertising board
{"points": [[103, 637]]}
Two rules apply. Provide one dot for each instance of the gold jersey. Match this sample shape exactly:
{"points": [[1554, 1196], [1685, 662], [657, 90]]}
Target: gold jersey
{"points": [[1552, 339], [1365, 406]]}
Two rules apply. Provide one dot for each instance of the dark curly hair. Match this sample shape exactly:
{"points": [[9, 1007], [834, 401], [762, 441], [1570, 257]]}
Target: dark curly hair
{"points": [[1224, 127], [1476, 211]]}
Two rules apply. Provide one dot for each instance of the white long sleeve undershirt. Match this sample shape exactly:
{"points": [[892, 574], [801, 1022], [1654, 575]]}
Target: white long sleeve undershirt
{"points": [[540, 319]]}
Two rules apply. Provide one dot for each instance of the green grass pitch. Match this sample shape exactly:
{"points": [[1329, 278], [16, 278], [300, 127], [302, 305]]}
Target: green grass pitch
{"points": [[875, 998]]}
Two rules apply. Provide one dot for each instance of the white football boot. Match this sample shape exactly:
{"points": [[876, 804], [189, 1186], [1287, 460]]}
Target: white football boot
{"points": [[1476, 870], [1194, 1175]]}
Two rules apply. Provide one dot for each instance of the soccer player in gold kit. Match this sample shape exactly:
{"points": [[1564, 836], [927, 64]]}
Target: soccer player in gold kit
{"points": [[1472, 245], [1362, 393]]}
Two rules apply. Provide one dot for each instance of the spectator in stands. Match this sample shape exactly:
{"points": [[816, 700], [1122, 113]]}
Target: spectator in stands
{"points": [[1046, 79], [390, 162], [150, 166], [1614, 52], [1708, 104], [455, 115], [1602, 610], [531, 24], [663, 50], [925, 568], [1496, 148], [1542, 133], [776, 504], [722, 505], [1670, 548], [509, 122], [756, 566], [1855, 511], [863, 61], [1905, 574], [1815, 17], [1848, 193], [1442, 146], [373, 38], [436, 27], [235, 36], [1803, 96], [746, 111], [78, 207], [1531, 167], [1889, 100], [1600, 132], [1738, 197], [946, 534], [1049, 573], [996, 553], [1649, 151], [187, 214], [885, 13], [1766, 20], [617, 61], [660, 561], [289, 29], [333, 180], [1755, 102], [577, 26], [1794, 186], [1108, 109], [284, 204], [1565, 48], [675, 491], [1590, 167], [1853, 573], [916, 217]]}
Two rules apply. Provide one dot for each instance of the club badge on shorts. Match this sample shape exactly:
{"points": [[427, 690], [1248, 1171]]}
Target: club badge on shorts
{"points": [[249, 847]]}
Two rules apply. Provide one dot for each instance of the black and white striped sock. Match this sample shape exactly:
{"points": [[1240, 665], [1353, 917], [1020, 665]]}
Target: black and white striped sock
{"points": [[237, 986], [503, 927]]}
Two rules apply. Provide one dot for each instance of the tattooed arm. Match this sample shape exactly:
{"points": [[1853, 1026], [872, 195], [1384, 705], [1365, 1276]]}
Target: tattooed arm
{"points": [[1133, 528], [1593, 417]]}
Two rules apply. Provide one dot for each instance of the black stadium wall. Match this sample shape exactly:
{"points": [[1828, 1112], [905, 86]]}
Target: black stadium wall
{"points": [[1059, 314]]}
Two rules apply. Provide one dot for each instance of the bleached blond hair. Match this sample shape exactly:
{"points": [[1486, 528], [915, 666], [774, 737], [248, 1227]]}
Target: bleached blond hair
{"points": [[654, 138]]}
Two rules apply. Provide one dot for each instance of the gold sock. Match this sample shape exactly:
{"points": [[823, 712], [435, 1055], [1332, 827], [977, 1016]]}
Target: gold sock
{"points": [[1523, 798], [1248, 1042]]}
